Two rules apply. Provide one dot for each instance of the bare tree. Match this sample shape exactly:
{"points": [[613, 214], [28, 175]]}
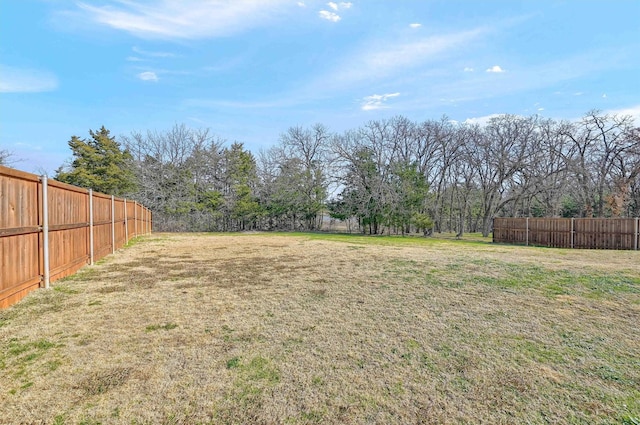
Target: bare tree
{"points": [[598, 158], [5, 157]]}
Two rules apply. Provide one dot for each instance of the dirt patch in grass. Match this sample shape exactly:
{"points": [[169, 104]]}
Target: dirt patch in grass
{"points": [[299, 329]]}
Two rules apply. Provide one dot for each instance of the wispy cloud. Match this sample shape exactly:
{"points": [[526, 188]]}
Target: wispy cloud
{"points": [[329, 16], [301, 4], [153, 54], [148, 76], [633, 111], [21, 80], [415, 25], [377, 60], [186, 19], [481, 120], [468, 69], [333, 16], [232, 104], [376, 101], [337, 6], [496, 69]]}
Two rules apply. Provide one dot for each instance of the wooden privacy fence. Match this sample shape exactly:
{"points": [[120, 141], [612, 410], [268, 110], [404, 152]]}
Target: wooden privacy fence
{"points": [[586, 233], [48, 230]]}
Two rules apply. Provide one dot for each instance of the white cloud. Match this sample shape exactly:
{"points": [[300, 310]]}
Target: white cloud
{"points": [[134, 59], [415, 25], [21, 80], [301, 4], [185, 19], [329, 16], [148, 76], [604, 96], [633, 111], [346, 5], [468, 69], [540, 109], [496, 69], [333, 5], [379, 60], [376, 101], [484, 120], [153, 54]]}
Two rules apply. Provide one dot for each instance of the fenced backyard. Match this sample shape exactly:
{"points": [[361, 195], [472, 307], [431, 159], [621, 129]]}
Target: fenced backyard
{"points": [[271, 328], [584, 233], [48, 230]]}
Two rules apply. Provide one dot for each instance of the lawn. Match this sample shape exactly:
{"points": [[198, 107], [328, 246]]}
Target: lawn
{"points": [[310, 328]]}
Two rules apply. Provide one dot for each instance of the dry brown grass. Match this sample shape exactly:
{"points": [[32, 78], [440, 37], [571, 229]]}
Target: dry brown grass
{"points": [[267, 328]]}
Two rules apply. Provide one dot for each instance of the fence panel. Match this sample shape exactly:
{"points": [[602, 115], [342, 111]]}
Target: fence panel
{"points": [[120, 232], [102, 225], [586, 233], [68, 229], [23, 259], [20, 268]]}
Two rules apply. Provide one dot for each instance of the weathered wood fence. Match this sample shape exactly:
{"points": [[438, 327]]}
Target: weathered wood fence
{"points": [[586, 233], [48, 230]]}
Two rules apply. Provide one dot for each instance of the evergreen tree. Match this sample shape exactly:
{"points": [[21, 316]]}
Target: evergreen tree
{"points": [[100, 164]]}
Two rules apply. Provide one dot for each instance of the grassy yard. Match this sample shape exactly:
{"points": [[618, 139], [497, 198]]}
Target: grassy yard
{"points": [[300, 329]]}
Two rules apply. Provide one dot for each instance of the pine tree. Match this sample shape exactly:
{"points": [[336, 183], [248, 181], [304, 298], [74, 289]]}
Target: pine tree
{"points": [[100, 164]]}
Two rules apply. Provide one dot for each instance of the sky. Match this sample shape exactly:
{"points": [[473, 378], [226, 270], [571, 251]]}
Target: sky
{"points": [[250, 69]]}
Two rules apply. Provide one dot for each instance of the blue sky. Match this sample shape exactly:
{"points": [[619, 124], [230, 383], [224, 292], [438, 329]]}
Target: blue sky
{"points": [[250, 69]]}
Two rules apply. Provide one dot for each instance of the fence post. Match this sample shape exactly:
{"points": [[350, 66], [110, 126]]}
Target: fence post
{"points": [[45, 231], [113, 224], [135, 218], [91, 257], [635, 242], [573, 231], [527, 233], [126, 223]]}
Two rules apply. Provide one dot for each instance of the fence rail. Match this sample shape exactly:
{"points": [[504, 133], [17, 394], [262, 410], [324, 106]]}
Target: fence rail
{"points": [[586, 233], [48, 230]]}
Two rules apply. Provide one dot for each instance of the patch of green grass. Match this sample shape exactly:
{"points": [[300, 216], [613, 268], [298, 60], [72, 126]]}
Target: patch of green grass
{"points": [[52, 365], [391, 240], [16, 347], [539, 352], [233, 363], [135, 241], [166, 327], [65, 289], [261, 369], [85, 273], [311, 416]]}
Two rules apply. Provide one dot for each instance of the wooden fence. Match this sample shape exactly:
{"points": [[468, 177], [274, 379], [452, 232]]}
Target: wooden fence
{"points": [[48, 230], [586, 233]]}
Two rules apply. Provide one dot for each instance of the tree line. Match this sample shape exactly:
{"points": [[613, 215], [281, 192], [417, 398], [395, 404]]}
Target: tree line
{"points": [[387, 176]]}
